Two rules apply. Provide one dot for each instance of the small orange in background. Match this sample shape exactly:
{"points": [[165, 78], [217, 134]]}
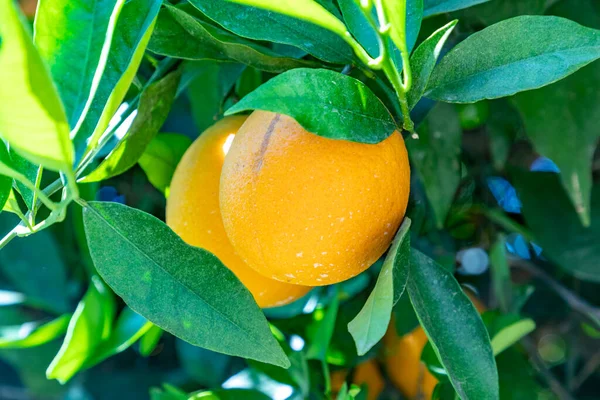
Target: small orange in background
{"points": [[366, 373], [310, 210], [193, 211], [402, 356]]}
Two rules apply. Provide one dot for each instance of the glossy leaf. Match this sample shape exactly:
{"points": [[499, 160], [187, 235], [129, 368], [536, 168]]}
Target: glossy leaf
{"points": [[129, 328], [371, 323], [404, 18], [212, 81], [324, 102], [556, 226], [29, 170], [317, 349], [87, 328], [5, 181], [433, 7], [180, 35], [512, 56], [67, 30], [424, 59], [155, 104], [150, 340], [132, 33], [566, 126], [161, 158], [32, 117], [164, 280], [40, 275], [435, 156], [454, 328], [249, 22], [32, 334]]}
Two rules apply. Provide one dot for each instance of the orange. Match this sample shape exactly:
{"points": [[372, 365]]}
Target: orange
{"points": [[403, 360], [366, 373], [310, 210], [193, 211]]}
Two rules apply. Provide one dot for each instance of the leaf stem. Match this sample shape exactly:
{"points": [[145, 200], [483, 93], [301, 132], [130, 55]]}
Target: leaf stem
{"points": [[392, 74]]}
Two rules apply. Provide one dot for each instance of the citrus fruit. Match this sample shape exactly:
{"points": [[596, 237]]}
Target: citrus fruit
{"points": [[193, 211], [473, 115], [366, 373], [306, 209], [402, 356]]}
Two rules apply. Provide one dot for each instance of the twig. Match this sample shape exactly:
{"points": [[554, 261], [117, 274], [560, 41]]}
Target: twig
{"points": [[574, 301], [586, 371]]}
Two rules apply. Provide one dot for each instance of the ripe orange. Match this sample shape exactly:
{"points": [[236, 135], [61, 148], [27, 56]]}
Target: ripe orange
{"points": [[402, 355], [366, 373], [193, 211], [310, 210]]}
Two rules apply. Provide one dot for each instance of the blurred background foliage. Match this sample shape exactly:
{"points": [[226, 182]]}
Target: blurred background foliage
{"points": [[488, 202]]}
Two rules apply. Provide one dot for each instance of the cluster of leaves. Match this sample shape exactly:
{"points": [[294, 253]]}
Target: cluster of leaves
{"points": [[84, 98]]}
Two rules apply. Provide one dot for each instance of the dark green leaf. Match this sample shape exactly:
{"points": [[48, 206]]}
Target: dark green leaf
{"points": [[204, 367], [89, 326], [150, 340], [67, 30], [512, 56], [495, 11], [249, 22], [317, 348], [130, 327], [433, 7], [504, 125], [161, 158], [212, 81], [155, 104], [32, 117], [165, 280], [249, 80], [132, 33], [180, 35], [424, 59], [371, 323], [555, 224], [405, 319], [454, 328], [435, 156], [560, 121], [40, 274], [32, 334], [29, 170], [324, 102]]}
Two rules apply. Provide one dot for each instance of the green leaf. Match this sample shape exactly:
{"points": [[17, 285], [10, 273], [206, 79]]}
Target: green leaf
{"points": [[433, 7], [512, 56], [317, 348], [504, 125], [132, 33], [180, 35], [155, 104], [510, 333], [5, 181], [87, 328], [204, 367], [306, 10], [249, 22], [150, 340], [564, 126], [32, 334], [555, 224], [324, 102], [404, 316], [435, 156], [454, 328], [165, 280], [249, 80], [229, 394], [161, 158], [371, 323], [495, 11], [31, 171], [212, 81], [423, 61], [404, 18], [41, 274], [68, 30], [130, 327], [501, 280], [32, 117]]}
